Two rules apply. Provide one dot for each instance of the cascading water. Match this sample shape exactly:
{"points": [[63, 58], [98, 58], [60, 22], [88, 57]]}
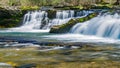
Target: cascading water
{"points": [[103, 26], [40, 20], [33, 19], [36, 21]]}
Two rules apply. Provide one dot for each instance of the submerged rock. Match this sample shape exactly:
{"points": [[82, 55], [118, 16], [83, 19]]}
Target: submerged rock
{"points": [[66, 27]]}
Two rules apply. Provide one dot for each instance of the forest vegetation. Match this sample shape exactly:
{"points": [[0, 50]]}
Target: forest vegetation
{"points": [[54, 2]]}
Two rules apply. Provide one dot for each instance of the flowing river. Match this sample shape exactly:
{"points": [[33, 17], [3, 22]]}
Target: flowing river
{"points": [[36, 25], [103, 31]]}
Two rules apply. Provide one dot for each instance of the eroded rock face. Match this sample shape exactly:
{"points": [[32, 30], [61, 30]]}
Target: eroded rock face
{"points": [[66, 27]]}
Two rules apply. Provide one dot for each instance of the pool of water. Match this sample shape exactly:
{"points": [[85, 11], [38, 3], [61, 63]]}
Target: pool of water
{"points": [[49, 37]]}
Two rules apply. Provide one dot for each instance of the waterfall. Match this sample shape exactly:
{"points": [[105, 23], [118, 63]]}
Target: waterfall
{"points": [[32, 19], [39, 21], [103, 26]]}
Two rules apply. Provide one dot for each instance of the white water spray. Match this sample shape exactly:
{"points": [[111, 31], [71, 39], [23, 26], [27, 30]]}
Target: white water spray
{"points": [[103, 26]]}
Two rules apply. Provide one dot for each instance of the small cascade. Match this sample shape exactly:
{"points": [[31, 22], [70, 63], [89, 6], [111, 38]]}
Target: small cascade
{"points": [[103, 26], [64, 14], [62, 17], [32, 19], [39, 20]]}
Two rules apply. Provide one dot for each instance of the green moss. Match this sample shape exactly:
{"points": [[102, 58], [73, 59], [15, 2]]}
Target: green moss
{"points": [[66, 27], [29, 7]]}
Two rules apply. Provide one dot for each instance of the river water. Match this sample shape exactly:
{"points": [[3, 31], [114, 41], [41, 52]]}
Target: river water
{"points": [[103, 29], [33, 32]]}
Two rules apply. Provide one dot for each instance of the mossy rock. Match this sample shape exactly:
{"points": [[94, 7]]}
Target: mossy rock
{"points": [[66, 27], [10, 18], [8, 23], [4, 13]]}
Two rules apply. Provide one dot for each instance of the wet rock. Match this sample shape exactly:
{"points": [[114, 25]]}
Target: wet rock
{"points": [[51, 14]]}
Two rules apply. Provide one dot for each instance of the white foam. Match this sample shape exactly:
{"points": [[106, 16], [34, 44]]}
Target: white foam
{"points": [[82, 38]]}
